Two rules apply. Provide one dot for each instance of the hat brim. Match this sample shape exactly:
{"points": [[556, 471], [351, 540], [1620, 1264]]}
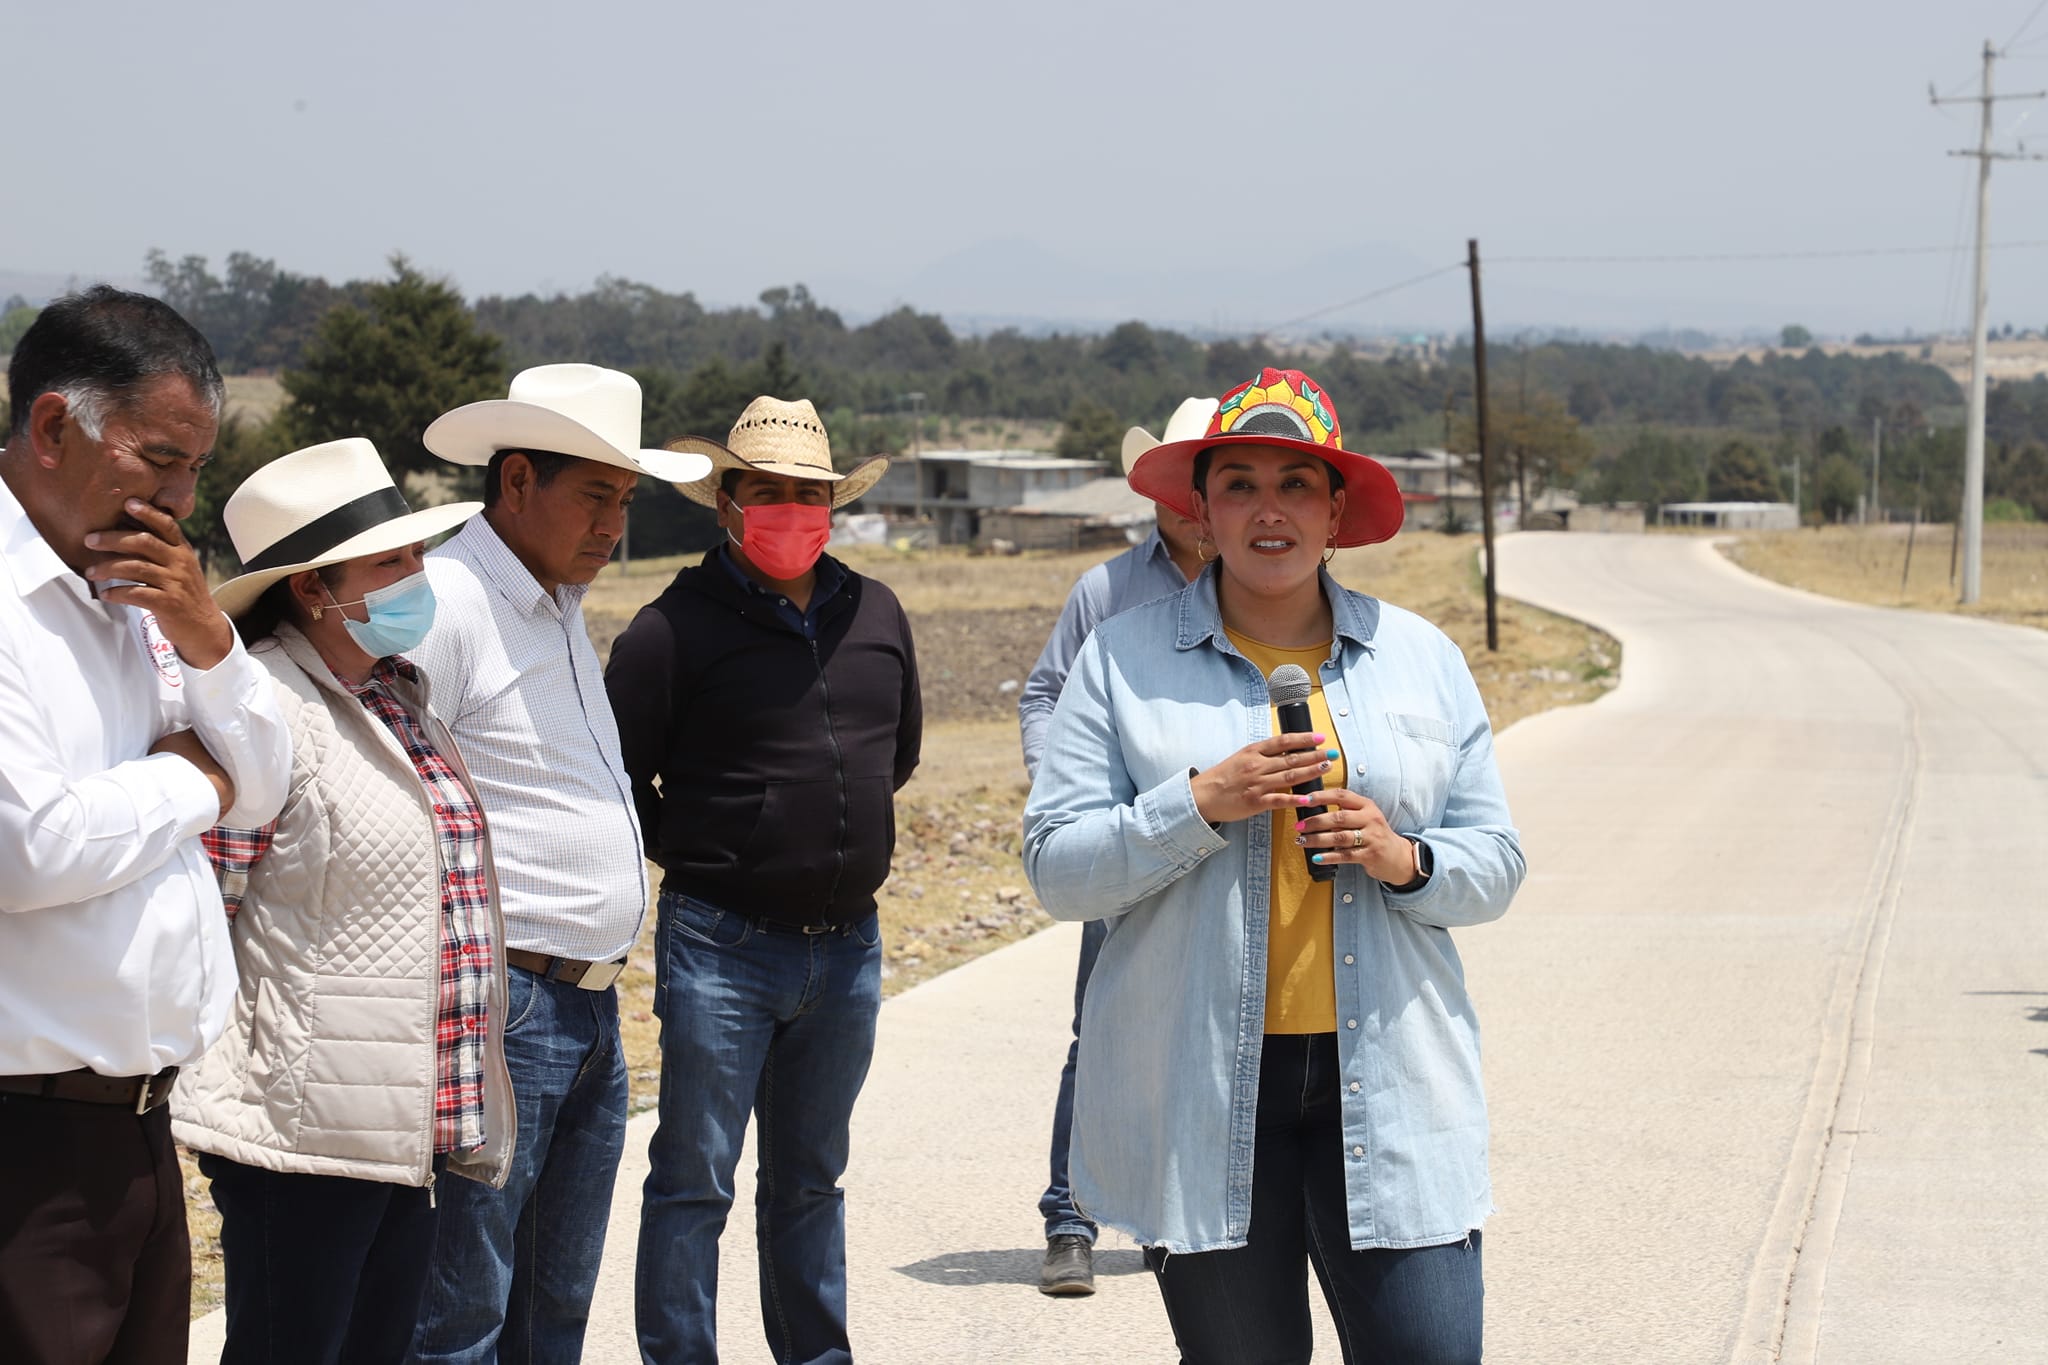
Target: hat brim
{"points": [[1373, 505], [237, 595], [473, 433], [1136, 442], [845, 487]]}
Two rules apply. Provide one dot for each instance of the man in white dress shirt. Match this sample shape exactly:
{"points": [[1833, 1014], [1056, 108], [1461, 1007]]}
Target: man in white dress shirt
{"points": [[131, 721], [519, 685]]}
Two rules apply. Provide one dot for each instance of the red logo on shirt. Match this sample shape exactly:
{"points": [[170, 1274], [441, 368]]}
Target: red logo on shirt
{"points": [[162, 653]]}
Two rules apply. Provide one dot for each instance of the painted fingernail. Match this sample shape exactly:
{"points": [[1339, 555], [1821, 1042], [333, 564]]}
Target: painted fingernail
{"points": [[1301, 843], [1304, 800], [1318, 739], [1332, 754], [1324, 767], [1315, 857], [1300, 825]]}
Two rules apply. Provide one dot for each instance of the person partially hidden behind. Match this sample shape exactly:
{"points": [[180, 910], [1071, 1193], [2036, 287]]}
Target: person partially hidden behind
{"points": [[1163, 562]]}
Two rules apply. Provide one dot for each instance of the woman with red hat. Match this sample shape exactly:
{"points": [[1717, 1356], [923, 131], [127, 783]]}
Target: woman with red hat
{"points": [[1278, 1058]]}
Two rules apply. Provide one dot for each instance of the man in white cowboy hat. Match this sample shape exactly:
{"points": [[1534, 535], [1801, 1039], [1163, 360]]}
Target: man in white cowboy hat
{"points": [[131, 720], [769, 710], [1164, 561], [519, 685]]}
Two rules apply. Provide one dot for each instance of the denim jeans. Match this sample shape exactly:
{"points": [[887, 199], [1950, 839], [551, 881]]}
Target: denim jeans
{"points": [[1056, 1205], [781, 1025], [321, 1269], [514, 1269], [1249, 1306]]}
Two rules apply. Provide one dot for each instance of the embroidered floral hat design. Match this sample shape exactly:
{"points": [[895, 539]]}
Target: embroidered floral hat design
{"points": [[1283, 408]]}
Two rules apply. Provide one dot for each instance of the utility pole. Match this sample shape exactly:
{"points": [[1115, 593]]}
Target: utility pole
{"points": [[1876, 460], [1485, 459], [1970, 518], [916, 456]]}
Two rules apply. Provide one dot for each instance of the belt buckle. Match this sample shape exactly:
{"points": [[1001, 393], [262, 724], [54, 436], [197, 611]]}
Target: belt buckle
{"points": [[818, 928], [142, 1097], [599, 976]]}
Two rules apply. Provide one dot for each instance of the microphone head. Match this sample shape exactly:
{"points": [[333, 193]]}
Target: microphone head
{"points": [[1289, 683]]}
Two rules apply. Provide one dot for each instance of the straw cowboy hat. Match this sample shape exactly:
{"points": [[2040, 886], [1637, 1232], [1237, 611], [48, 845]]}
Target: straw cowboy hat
{"points": [[776, 437], [1279, 408], [1191, 418], [321, 505], [583, 410]]}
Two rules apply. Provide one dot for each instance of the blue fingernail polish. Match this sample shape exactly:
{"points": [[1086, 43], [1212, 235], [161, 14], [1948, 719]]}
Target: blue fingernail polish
{"points": [[1315, 857], [1330, 754]]}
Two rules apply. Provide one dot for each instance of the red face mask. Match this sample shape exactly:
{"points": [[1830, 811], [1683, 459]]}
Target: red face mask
{"points": [[783, 539]]}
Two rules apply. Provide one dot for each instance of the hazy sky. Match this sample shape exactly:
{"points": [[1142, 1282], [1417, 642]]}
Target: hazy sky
{"points": [[1208, 163]]}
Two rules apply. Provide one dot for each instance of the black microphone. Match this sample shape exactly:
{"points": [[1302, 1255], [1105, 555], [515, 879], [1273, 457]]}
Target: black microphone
{"points": [[1289, 688]]}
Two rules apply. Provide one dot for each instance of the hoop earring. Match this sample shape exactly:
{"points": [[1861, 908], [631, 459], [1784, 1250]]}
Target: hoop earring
{"points": [[1201, 541], [1330, 550]]}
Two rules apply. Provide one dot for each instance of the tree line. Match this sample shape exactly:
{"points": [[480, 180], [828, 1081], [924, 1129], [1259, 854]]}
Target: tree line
{"points": [[1614, 422]]}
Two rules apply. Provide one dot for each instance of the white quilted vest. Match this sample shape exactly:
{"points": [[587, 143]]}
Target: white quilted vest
{"points": [[328, 1065]]}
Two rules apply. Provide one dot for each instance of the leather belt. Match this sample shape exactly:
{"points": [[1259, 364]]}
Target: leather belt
{"points": [[591, 976], [141, 1093]]}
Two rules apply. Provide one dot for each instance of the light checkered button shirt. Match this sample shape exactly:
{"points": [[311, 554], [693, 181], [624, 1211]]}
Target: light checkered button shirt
{"points": [[515, 677]]}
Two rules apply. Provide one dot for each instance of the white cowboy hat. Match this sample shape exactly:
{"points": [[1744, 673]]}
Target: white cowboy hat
{"points": [[583, 410], [1189, 420], [776, 437], [316, 506]]}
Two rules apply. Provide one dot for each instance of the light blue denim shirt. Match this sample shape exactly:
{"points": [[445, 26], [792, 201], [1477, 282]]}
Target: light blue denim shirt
{"points": [[1167, 1094], [1131, 579]]}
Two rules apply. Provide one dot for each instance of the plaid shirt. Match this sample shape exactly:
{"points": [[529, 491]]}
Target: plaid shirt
{"points": [[460, 1023]]}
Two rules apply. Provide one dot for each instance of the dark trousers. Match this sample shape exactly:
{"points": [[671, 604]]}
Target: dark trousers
{"points": [[1249, 1306], [321, 1269], [95, 1262]]}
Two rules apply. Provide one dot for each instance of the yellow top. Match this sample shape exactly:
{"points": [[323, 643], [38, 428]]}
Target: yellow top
{"points": [[1301, 980]]}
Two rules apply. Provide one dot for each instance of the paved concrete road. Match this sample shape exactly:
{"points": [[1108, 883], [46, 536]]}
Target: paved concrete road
{"points": [[1767, 1030]]}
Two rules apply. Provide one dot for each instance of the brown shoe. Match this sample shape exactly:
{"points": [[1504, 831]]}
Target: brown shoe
{"points": [[1069, 1267]]}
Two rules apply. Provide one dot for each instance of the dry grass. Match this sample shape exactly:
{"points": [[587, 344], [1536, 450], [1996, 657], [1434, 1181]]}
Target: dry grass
{"points": [[957, 888], [1868, 564]]}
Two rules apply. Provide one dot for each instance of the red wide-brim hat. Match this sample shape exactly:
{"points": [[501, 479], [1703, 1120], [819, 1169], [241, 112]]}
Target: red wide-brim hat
{"points": [[1279, 408]]}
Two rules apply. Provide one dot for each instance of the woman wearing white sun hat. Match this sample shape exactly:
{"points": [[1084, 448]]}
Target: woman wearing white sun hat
{"points": [[366, 1051]]}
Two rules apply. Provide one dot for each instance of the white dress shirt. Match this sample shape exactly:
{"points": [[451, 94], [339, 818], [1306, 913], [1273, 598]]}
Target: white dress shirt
{"points": [[515, 677], [112, 937]]}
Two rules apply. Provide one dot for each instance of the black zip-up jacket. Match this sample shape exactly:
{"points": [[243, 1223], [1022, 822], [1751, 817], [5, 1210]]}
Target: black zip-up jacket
{"points": [[765, 765]]}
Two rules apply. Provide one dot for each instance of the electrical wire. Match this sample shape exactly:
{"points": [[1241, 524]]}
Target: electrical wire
{"points": [[1699, 258], [2021, 31], [1367, 297]]}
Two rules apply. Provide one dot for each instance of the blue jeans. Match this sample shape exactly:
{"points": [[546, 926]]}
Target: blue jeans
{"points": [[1249, 1306], [321, 1269], [514, 1269], [781, 1025], [1056, 1205]]}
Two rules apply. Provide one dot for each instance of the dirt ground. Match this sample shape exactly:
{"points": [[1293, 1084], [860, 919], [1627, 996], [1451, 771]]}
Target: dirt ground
{"points": [[1870, 564], [957, 887]]}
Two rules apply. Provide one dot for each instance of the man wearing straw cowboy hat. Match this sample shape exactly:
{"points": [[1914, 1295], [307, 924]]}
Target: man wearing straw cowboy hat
{"points": [[772, 694], [519, 685], [131, 719], [1162, 562]]}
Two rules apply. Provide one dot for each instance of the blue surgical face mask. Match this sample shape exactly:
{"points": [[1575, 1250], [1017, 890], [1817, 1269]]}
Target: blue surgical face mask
{"points": [[400, 616]]}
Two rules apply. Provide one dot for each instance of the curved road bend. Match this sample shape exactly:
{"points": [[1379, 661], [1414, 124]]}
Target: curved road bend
{"points": [[1767, 1029]]}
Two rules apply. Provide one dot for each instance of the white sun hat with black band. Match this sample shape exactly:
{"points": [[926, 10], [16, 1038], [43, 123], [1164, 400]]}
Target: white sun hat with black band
{"points": [[321, 505], [586, 411]]}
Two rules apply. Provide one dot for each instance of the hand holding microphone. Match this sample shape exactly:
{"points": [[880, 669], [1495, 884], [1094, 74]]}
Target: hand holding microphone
{"points": [[1289, 687]]}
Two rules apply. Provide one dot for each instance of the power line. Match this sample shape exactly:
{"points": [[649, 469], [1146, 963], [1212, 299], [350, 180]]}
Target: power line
{"points": [[2019, 32], [1723, 256], [1366, 298]]}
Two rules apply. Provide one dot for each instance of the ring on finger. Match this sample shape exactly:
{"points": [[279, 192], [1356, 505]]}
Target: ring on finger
{"points": [[1358, 838]]}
